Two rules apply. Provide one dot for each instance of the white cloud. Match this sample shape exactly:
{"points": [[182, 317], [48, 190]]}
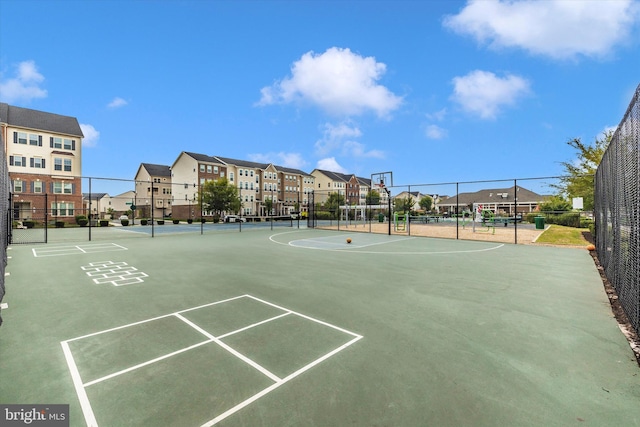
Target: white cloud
{"points": [[340, 138], [435, 132], [25, 86], [117, 102], [483, 93], [338, 81], [437, 116], [91, 135], [334, 135], [330, 164], [356, 149], [559, 29], [289, 160]]}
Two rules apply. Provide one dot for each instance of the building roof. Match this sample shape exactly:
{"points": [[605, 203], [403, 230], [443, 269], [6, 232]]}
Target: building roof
{"points": [[156, 170], [338, 176], [94, 196], [39, 120], [242, 163], [494, 195]]}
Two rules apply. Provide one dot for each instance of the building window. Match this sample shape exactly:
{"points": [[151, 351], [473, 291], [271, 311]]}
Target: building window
{"points": [[215, 169], [67, 165], [62, 188], [18, 186], [68, 144], [22, 137], [57, 164], [221, 174], [251, 173], [208, 168], [17, 161], [34, 139], [37, 163], [56, 142], [230, 176], [201, 168], [62, 209], [37, 186], [240, 172]]}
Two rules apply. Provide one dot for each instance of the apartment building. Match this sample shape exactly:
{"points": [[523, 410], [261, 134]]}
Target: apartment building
{"points": [[44, 152], [287, 189], [153, 191], [353, 188]]}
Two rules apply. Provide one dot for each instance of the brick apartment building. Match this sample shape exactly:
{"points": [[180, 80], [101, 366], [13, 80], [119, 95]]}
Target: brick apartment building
{"points": [[44, 153]]}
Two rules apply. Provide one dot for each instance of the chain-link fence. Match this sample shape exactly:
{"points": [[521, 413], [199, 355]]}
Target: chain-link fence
{"points": [[508, 211], [5, 224], [617, 211], [91, 208]]}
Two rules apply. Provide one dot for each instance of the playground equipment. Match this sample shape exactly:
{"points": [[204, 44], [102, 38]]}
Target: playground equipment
{"points": [[400, 221], [485, 217]]}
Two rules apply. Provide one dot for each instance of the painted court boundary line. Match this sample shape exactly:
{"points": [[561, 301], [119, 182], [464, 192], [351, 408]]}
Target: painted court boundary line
{"points": [[335, 247], [80, 386], [76, 249]]}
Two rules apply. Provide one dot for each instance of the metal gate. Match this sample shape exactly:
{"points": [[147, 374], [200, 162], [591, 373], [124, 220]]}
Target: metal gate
{"points": [[28, 220]]}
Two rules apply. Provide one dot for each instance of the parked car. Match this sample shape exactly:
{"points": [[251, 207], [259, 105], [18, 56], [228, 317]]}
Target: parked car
{"points": [[234, 218]]}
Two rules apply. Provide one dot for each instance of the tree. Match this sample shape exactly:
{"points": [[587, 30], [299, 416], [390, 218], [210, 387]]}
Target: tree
{"points": [[426, 203], [373, 197], [579, 174], [268, 204], [555, 204], [333, 203], [403, 204], [219, 196]]}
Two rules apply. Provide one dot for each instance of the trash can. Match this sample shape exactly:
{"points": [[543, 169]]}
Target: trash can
{"points": [[539, 222], [380, 217]]}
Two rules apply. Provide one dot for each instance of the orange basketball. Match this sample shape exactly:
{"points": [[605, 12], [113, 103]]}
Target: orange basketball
{"points": [[349, 240], [591, 248]]}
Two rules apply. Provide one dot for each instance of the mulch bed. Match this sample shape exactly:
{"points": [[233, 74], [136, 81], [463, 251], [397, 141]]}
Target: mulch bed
{"points": [[616, 307]]}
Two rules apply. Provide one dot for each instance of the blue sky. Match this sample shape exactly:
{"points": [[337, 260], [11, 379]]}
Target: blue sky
{"points": [[435, 91]]}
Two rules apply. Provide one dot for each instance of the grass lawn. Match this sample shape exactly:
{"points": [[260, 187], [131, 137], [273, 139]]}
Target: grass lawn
{"points": [[561, 235]]}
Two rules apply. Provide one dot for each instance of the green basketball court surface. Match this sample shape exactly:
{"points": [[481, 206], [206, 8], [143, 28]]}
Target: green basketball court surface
{"points": [[297, 327]]}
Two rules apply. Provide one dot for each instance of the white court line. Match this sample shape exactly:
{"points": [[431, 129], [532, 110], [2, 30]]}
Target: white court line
{"points": [[77, 383], [274, 386], [166, 356], [306, 317], [143, 364], [271, 238], [75, 249], [81, 388], [253, 325], [229, 349], [341, 244], [152, 319]]}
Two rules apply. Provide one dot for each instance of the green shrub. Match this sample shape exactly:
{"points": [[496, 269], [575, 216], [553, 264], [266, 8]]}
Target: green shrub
{"points": [[80, 219], [124, 222], [160, 222], [104, 223], [59, 224], [190, 221], [29, 223], [143, 222], [323, 215], [176, 221]]}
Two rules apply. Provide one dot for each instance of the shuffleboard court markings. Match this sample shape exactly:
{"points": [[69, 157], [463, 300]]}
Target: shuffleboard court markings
{"points": [[63, 250], [116, 273], [81, 386]]}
